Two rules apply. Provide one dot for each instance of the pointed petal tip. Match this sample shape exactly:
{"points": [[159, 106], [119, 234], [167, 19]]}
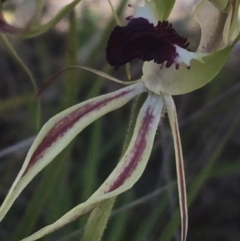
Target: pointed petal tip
{"points": [[59, 131]]}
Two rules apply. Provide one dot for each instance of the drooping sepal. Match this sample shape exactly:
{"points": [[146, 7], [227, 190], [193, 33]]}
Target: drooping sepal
{"points": [[182, 193], [59, 131], [128, 170]]}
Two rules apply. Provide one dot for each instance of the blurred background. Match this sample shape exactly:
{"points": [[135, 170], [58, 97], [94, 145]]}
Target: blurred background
{"points": [[208, 118]]}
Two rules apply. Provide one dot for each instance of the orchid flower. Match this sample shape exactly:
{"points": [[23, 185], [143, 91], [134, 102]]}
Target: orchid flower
{"points": [[169, 69]]}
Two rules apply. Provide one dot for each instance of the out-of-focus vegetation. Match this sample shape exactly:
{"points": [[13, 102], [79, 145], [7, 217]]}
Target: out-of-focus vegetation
{"points": [[209, 122]]}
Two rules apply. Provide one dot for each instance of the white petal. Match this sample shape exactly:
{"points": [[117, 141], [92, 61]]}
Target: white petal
{"points": [[59, 131], [139, 148], [128, 170]]}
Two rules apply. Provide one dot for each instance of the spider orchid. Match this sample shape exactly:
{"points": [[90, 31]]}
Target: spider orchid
{"points": [[169, 69]]}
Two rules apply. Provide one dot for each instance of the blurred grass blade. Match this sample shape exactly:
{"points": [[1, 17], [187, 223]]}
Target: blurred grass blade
{"points": [[42, 195], [71, 90], [98, 219], [203, 175], [152, 219], [119, 224], [29, 74], [45, 27]]}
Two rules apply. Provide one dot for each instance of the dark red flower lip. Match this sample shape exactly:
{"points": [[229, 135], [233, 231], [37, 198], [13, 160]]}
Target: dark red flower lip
{"points": [[140, 39]]}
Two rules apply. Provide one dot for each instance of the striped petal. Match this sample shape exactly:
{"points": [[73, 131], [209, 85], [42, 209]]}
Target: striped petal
{"points": [[128, 170], [59, 131], [172, 115]]}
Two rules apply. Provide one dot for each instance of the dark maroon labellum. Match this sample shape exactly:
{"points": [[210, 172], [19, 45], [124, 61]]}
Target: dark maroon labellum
{"points": [[140, 39]]}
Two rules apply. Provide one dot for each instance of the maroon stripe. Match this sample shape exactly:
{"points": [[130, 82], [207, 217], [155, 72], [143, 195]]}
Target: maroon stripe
{"points": [[138, 151], [63, 125]]}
